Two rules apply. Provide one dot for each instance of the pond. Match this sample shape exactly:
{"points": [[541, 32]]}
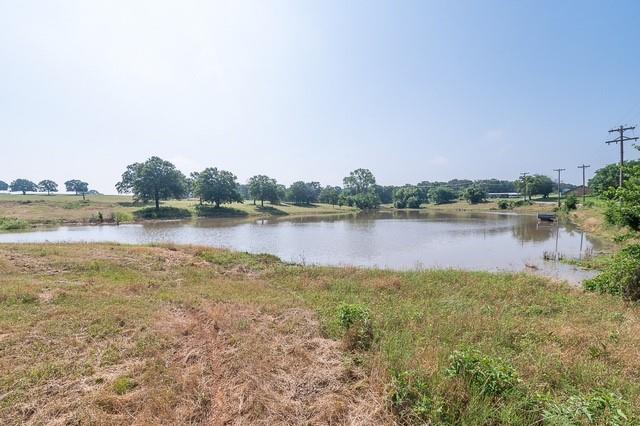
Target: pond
{"points": [[394, 240]]}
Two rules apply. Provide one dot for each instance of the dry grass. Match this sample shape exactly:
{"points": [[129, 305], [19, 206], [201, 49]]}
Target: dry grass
{"points": [[111, 334]]}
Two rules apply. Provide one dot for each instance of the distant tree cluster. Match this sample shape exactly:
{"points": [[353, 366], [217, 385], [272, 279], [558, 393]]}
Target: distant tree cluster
{"points": [[46, 185]]}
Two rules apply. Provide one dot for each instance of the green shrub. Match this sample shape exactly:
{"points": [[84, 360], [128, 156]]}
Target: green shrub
{"points": [[503, 204], [163, 213], [598, 408], [411, 397], [571, 202], [355, 321], [12, 224], [491, 376], [621, 277], [121, 217]]}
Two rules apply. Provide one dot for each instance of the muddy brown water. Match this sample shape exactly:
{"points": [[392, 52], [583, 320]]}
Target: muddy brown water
{"points": [[394, 240]]}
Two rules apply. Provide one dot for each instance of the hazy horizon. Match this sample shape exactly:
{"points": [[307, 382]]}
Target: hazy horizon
{"points": [[312, 90]]}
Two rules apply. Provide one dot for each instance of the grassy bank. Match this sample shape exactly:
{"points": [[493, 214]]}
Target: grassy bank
{"points": [[71, 209], [111, 334], [489, 206]]}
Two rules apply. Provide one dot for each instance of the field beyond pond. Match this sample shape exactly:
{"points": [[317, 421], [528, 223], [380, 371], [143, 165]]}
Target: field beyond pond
{"points": [[40, 209], [112, 334]]}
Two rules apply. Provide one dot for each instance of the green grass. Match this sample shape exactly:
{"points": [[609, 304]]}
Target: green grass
{"points": [[56, 209], [448, 347], [12, 224]]}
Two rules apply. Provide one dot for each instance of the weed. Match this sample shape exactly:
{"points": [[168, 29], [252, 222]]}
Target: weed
{"points": [[12, 224], [355, 321], [123, 384], [600, 407], [492, 376]]}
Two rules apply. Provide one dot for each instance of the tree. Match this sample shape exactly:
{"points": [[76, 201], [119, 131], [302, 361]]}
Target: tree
{"points": [[155, 179], [607, 177], [3, 186], [385, 193], [442, 194], [216, 186], [523, 185], [300, 192], [541, 185], [407, 197], [330, 195], [475, 194], [48, 186], [77, 186], [263, 188], [359, 181], [23, 185]]}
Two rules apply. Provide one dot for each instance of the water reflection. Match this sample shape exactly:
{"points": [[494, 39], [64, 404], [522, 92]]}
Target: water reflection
{"points": [[398, 240]]}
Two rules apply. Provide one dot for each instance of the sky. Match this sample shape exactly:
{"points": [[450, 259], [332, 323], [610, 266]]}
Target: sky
{"points": [[310, 90]]}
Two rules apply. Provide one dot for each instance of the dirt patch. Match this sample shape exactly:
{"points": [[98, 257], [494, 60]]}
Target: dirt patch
{"points": [[237, 365]]}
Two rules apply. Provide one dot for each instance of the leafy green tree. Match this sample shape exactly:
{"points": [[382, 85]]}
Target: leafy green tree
{"points": [[385, 193], [330, 195], [541, 185], [77, 186], [475, 194], [23, 185], [608, 176], [155, 179], [216, 186], [263, 188], [48, 186], [365, 200], [407, 197], [442, 194], [359, 181], [304, 192], [3, 186], [523, 185]]}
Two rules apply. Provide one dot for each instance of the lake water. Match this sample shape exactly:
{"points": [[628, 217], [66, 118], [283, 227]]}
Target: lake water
{"points": [[395, 240]]}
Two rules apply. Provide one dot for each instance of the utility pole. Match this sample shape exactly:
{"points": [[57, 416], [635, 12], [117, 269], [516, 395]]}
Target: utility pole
{"points": [[523, 175], [621, 140], [559, 170], [584, 185]]}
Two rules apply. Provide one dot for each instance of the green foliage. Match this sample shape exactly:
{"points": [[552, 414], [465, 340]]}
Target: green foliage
{"points": [[359, 181], [442, 194], [607, 178], [475, 194], [123, 384], [263, 188], [491, 376], [3, 185], [330, 195], [571, 202], [23, 185], [620, 277], [304, 192], [623, 208], [47, 186], [408, 197], [503, 204], [162, 213], [12, 224], [364, 201], [411, 397], [155, 179], [355, 320], [216, 186], [600, 407], [77, 186], [121, 217]]}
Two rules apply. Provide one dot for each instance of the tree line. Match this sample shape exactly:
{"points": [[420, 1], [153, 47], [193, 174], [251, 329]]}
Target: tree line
{"points": [[46, 185], [157, 179]]}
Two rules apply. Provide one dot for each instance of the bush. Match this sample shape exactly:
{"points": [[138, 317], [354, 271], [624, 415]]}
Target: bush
{"points": [[475, 194], [355, 320], [491, 376], [121, 217], [503, 204], [571, 202], [621, 277], [442, 194], [123, 385], [365, 201], [163, 213], [12, 224]]}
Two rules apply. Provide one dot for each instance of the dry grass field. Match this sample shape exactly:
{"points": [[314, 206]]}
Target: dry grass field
{"points": [[114, 334]]}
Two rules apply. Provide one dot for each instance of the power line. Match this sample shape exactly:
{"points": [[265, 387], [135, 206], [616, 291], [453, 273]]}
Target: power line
{"points": [[621, 140], [584, 186], [559, 170]]}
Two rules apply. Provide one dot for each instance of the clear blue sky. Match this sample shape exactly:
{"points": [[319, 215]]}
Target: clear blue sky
{"points": [[310, 90]]}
